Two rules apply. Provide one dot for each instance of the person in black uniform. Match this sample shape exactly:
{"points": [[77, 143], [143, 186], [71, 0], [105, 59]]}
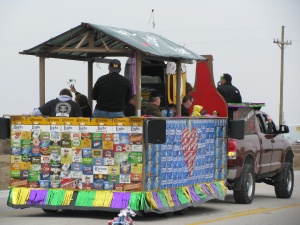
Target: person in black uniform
{"points": [[111, 91], [229, 92], [62, 106], [82, 101]]}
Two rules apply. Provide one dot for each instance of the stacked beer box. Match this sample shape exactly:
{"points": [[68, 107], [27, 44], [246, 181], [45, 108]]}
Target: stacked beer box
{"points": [[76, 153]]}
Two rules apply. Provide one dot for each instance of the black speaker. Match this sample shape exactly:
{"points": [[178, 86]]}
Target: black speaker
{"points": [[156, 131], [4, 128], [236, 129]]}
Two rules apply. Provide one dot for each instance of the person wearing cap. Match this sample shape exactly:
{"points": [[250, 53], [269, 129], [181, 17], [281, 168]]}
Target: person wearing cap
{"points": [[228, 91], [187, 102], [153, 107], [62, 106], [111, 91]]}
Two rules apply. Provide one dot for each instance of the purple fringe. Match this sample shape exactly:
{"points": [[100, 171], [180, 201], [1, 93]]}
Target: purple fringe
{"points": [[194, 195], [204, 188], [157, 200], [215, 189], [37, 197], [175, 197], [120, 200]]}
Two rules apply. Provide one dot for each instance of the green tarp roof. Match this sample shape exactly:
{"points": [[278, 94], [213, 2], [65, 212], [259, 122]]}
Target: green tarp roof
{"points": [[110, 41]]}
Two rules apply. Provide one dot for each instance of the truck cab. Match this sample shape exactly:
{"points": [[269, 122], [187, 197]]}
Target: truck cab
{"points": [[261, 155]]}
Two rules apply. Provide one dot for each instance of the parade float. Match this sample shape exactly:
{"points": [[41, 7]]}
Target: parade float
{"points": [[149, 164]]}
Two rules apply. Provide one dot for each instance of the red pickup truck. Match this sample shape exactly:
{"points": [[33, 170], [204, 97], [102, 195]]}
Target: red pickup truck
{"points": [[259, 155]]}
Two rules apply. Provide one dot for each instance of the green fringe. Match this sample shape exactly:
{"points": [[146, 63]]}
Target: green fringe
{"points": [[55, 197], [85, 198], [199, 193], [136, 199], [181, 196], [162, 198]]}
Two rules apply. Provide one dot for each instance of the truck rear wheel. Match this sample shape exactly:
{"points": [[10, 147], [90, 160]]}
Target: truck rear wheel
{"points": [[284, 188], [246, 193]]}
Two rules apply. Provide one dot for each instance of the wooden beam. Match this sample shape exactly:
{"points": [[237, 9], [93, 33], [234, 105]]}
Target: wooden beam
{"points": [[86, 50], [94, 58], [178, 86], [82, 40], [90, 70], [72, 39], [138, 82], [103, 42], [42, 81], [91, 38], [90, 84]]}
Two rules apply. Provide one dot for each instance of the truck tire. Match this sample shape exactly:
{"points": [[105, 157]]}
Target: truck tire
{"points": [[284, 188], [246, 193]]}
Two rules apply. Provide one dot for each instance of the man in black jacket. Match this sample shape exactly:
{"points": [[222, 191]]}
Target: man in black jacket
{"points": [[111, 91], [229, 92]]}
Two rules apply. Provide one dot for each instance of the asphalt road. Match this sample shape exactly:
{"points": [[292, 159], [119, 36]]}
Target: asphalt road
{"points": [[266, 209]]}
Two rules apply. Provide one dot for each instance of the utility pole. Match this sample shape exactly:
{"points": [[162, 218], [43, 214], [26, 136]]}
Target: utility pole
{"points": [[282, 46]]}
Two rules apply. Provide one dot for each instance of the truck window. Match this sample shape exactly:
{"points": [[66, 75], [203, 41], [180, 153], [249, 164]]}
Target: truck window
{"points": [[263, 124], [261, 127]]}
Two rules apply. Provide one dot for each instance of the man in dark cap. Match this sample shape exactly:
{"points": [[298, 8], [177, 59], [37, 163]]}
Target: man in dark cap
{"points": [[228, 91], [111, 91], [62, 106], [153, 107]]}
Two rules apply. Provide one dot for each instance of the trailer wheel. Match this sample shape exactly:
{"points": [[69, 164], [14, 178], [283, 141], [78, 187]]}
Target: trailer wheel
{"points": [[284, 188], [246, 194], [50, 210], [183, 211], [168, 214]]}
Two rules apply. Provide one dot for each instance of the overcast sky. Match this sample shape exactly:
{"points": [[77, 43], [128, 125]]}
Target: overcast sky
{"points": [[239, 35]]}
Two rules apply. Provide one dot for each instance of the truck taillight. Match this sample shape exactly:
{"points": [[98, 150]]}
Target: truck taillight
{"points": [[232, 147]]}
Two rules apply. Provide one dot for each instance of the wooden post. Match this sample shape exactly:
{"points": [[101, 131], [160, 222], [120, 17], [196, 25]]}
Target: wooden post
{"points": [[138, 82], [42, 81], [90, 70], [90, 84], [178, 87]]}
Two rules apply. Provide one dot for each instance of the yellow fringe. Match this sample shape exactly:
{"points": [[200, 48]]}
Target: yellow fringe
{"points": [[20, 196], [68, 197], [186, 192], [200, 189], [223, 186], [103, 198], [210, 189], [169, 197], [151, 200]]}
